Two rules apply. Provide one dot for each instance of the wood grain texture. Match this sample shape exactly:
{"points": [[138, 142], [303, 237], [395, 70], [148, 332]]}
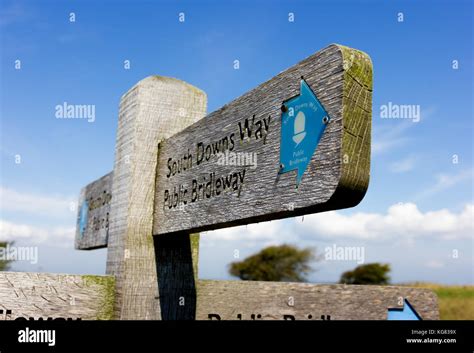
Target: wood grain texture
{"points": [[337, 176], [97, 196], [272, 301], [154, 109], [43, 296]]}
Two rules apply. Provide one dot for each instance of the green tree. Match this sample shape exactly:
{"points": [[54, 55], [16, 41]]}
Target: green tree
{"points": [[275, 263], [374, 273], [4, 264]]}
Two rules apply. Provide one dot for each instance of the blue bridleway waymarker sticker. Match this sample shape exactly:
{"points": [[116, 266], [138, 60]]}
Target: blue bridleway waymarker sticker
{"points": [[405, 313], [83, 217], [303, 121]]}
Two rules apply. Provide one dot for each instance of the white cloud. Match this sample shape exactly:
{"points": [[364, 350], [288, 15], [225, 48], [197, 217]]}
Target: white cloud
{"points": [[434, 264], [388, 137], [11, 200], [62, 236], [265, 234], [14, 13], [381, 145], [446, 181], [403, 222], [404, 165], [428, 112], [25, 206], [393, 133]]}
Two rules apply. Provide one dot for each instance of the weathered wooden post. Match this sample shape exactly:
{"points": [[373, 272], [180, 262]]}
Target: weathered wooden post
{"points": [[116, 211], [154, 109]]}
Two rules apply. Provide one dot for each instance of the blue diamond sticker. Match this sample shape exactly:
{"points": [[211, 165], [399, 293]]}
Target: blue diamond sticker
{"points": [[303, 121]]}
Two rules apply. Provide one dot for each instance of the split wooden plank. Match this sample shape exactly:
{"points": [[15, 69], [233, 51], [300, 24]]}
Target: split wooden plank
{"points": [[190, 193], [42, 296]]}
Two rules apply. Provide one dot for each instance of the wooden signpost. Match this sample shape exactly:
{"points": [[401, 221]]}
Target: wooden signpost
{"points": [[297, 144], [92, 229], [225, 170]]}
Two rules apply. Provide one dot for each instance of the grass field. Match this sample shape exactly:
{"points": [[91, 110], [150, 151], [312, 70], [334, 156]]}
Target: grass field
{"points": [[455, 302]]}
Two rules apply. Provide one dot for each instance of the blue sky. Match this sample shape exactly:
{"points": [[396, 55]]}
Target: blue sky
{"points": [[419, 207]]}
